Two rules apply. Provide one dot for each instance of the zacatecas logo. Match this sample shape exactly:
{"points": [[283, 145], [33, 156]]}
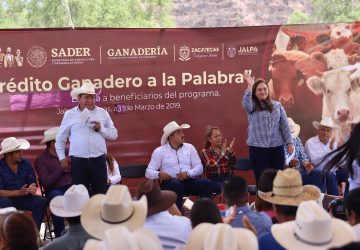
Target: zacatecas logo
{"points": [[186, 52], [136, 53], [36, 56]]}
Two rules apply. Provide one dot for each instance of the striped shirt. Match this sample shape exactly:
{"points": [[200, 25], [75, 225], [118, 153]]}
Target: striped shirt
{"points": [[299, 154], [216, 163], [266, 129]]}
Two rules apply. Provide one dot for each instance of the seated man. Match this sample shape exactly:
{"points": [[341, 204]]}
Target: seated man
{"points": [[177, 165], [235, 193], [17, 180], [52, 176], [316, 148]]}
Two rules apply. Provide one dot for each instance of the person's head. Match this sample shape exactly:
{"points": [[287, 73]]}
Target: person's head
{"points": [[234, 191], [49, 137], [50, 145], [86, 101], [12, 148], [260, 90], [285, 213], [324, 129], [8, 50], [265, 184], [352, 206], [213, 137], [86, 95], [173, 133], [204, 210], [19, 232]]}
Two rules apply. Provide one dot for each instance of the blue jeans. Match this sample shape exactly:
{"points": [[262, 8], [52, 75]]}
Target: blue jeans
{"points": [[91, 172], [265, 158], [328, 185], [192, 186], [33, 203], [58, 222]]}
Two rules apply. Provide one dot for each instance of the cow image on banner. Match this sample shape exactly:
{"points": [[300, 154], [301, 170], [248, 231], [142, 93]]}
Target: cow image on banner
{"points": [[325, 58]]}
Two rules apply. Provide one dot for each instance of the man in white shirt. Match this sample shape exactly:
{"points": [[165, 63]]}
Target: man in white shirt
{"points": [[87, 127], [172, 230], [316, 148], [177, 164]]}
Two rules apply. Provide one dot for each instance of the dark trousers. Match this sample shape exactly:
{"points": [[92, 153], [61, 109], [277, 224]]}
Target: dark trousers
{"points": [[58, 222], [91, 172], [33, 203], [218, 182], [192, 186], [265, 158], [326, 185]]}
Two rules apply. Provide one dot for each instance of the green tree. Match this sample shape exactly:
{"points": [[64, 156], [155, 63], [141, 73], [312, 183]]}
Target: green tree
{"points": [[85, 13], [329, 11]]}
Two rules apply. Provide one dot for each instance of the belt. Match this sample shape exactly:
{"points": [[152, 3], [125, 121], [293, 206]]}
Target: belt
{"points": [[88, 159]]}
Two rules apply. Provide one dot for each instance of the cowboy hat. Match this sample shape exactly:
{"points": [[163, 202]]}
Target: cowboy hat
{"points": [[326, 122], [169, 129], [50, 134], [11, 144], [288, 189], [158, 200], [356, 120], [72, 203], [102, 212], [87, 88], [312, 229], [294, 128], [120, 238], [220, 236]]}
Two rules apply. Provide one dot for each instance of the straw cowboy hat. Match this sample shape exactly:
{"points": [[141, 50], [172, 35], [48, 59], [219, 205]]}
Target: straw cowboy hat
{"points": [[221, 236], [102, 212], [158, 200], [72, 203], [169, 129], [50, 134], [11, 144], [120, 238], [294, 128], [326, 122], [356, 120], [288, 189], [313, 229], [86, 88]]}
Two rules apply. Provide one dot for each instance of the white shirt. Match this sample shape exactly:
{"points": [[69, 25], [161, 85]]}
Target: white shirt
{"points": [[355, 181], [171, 161], [172, 230], [316, 150], [115, 176], [357, 231], [84, 141]]}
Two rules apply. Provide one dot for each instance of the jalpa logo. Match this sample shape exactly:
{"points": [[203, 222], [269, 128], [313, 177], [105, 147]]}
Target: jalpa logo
{"points": [[184, 53], [231, 52]]}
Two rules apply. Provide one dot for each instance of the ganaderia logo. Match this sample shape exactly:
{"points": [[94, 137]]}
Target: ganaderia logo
{"points": [[136, 53], [36, 57], [186, 53]]}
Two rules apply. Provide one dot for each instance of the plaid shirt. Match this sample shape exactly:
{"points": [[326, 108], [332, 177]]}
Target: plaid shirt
{"points": [[216, 163], [299, 154], [266, 129]]}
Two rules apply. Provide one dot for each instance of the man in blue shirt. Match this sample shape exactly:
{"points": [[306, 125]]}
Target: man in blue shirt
{"points": [[18, 181], [235, 193]]}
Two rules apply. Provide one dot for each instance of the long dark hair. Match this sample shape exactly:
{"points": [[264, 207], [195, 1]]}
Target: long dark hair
{"points": [[260, 105], [110, 162], [346, 153]]}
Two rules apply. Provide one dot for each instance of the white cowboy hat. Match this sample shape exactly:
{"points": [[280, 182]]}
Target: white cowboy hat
{"points": [[288, 189], [120, 238], [169, 129], [294, 128], [50, 134], [86, 88], [313, 229], [325, 122], [221, 236], [356, 120], [115, 208], [11, 144], [72, 203]]}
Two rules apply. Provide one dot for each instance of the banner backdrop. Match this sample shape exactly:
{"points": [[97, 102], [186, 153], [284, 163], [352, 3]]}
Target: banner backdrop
{"points": [[146, 78]]}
